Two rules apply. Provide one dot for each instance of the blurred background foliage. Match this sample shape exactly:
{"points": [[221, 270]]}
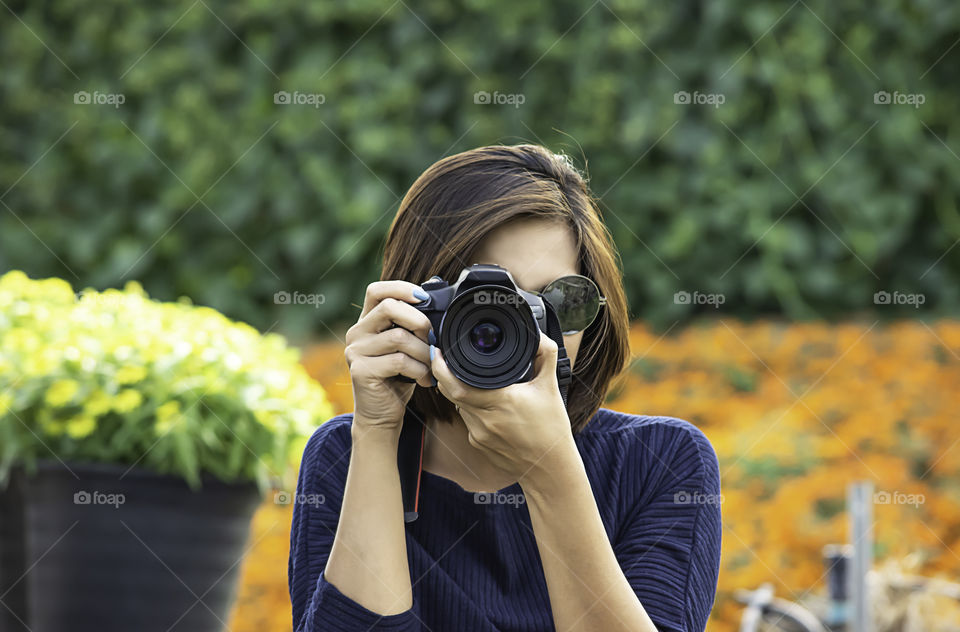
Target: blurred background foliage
{"points": [[798, 195]]}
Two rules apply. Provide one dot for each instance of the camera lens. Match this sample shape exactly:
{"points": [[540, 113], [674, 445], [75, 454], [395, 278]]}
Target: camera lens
{"points": [[489, 336], [486, 337]]}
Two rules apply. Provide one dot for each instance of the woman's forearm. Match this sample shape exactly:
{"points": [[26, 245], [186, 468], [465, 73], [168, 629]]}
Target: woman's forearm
{"points": [[587, 587], [368, 559]]}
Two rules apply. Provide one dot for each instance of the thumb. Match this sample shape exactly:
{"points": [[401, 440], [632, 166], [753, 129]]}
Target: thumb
{"points": [[545, 362]]}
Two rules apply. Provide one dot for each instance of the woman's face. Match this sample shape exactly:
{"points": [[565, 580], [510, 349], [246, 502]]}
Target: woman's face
{"points": [[536, 252]]}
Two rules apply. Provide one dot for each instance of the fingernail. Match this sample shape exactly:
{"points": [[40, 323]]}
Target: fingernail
{"points": [[432, 349], [420, 294], [431, 338]]}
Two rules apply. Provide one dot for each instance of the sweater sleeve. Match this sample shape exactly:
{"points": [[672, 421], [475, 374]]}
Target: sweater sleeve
{"points": [[668, 543], [316, 603]]}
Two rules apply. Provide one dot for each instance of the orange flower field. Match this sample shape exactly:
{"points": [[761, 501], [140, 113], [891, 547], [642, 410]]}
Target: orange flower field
{"points": [[795, 413]]}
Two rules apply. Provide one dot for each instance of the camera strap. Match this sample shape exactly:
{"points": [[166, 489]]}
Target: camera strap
{"points": [[414, 430], [564, 374], [410, 461]]}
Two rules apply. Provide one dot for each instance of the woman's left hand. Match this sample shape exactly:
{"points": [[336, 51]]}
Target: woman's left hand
{"points": [[518, 426]]}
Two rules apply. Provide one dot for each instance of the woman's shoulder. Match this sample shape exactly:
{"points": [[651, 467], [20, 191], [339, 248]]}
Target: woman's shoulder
{"points": [[670, 442], [331, 437], [608, 421]]}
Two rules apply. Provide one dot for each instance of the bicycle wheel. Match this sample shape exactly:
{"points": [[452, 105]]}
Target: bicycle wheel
{"points": [[785, 616]]}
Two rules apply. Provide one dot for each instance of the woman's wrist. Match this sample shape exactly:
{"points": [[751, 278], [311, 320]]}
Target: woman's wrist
{"points": [[554, 473], [375, 433]]}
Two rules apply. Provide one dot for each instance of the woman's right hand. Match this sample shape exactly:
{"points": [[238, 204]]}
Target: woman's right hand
{"points": [[376, 352]]}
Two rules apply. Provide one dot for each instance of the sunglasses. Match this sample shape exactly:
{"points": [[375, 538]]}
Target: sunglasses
{"points": [[576, 300]]}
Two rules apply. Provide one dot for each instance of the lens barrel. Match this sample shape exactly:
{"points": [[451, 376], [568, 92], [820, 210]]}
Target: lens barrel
{"points": [[490, 336]]}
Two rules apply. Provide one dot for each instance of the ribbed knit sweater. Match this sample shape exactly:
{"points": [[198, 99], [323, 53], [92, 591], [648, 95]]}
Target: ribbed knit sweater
{"points": [[474, 562]]}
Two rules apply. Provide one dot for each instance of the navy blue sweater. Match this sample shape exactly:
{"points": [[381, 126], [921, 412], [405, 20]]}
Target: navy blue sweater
{"points": [[474, 561]]}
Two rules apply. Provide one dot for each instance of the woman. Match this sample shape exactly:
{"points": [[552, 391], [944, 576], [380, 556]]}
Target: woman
{"points": [[601, 520]]}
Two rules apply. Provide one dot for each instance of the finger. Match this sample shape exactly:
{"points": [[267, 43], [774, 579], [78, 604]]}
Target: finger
{"points": [[379, 290], [454, 389], [387, 366], [391, 312], [545, 362], [389, 341], [447, 383]]}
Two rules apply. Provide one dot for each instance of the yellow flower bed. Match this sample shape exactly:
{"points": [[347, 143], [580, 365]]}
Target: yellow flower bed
{"points": [[118, 377], [795, 412]]}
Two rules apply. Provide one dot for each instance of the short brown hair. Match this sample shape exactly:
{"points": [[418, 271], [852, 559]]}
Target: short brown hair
{"points": [[456, 202]]}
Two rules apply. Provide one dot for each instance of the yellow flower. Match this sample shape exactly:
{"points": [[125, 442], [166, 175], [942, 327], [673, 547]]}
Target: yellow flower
{"points": [[40, 363], [56, 288], [14, 279], [61, 392], [80, 427], [168, 415], [97, 404], [267, 418], [49, 423], [127, 400], [130, 374], [134, 287], [21, 339]]}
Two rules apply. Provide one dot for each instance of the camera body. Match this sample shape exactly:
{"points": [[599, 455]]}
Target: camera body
{"points": [[489, 329]]}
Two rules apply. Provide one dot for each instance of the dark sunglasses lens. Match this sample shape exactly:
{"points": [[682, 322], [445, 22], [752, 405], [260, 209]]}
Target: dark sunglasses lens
{"points": [[576, 300]]}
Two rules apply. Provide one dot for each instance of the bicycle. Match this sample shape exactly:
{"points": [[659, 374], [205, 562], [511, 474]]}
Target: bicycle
{"points": [[766, 613]]}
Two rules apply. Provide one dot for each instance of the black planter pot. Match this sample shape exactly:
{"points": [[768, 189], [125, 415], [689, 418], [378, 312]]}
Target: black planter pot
{"points": [[110, 550]]}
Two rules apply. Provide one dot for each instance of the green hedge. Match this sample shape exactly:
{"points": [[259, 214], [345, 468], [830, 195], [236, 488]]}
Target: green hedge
{"points": [[302, 195]]}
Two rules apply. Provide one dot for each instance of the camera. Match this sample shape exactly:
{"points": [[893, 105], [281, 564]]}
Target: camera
{"points": [[489, 329]]}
